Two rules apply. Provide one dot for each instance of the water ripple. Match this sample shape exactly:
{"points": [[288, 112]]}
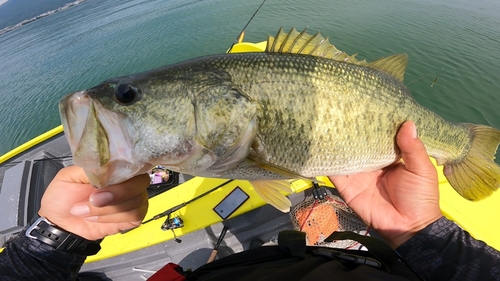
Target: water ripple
{"points": [[457, 41]]}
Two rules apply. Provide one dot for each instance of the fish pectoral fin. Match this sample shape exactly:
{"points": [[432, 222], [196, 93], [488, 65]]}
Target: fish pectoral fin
{"points": [[274, 168], [304, 43], [269, 190], [394, 65]]}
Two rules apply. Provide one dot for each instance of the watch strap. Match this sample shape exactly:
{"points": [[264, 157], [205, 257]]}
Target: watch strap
{"points": [[46, 232]]}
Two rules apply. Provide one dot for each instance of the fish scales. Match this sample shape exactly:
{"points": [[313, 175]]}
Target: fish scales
{"points": [[268, 116], [342, 107]]}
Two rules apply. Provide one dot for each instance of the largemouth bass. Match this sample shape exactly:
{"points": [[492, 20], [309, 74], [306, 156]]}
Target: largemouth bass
{"points": [[299, 110]]}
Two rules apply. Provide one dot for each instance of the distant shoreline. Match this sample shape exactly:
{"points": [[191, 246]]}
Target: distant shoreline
{"points": [[24, 22]]}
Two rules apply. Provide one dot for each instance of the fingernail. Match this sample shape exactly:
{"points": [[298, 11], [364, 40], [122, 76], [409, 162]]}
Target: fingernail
{"points": [[80, 210], [101, 199], [414, 131]]}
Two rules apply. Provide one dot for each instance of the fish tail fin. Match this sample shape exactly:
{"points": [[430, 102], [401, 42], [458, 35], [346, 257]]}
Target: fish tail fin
{"points": [[476, 176], [269, 190]]}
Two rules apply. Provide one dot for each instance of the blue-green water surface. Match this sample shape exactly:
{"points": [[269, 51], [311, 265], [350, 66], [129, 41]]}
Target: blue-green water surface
{"points": [[458, 41]]}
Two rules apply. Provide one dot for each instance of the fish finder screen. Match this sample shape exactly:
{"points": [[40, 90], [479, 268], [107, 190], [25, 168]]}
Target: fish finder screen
{"points": [[231, 203]]}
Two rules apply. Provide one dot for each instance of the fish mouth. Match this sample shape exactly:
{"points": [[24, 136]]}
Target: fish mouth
{"points": [[72, 107], [100, 139]]}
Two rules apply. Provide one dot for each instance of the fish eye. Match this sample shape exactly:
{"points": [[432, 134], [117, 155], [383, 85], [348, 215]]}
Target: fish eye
{"points": [[126, 94]]}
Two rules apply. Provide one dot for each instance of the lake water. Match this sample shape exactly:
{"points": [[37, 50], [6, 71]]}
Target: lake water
{"points": [[455, 40]]}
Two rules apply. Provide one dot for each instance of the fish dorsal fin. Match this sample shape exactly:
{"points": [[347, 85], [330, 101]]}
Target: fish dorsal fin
{"points": [[394, 65], [304, 43], [316, 45]]}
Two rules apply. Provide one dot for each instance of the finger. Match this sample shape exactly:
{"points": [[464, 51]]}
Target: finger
{"points": [[129, 225], [117, 193], [72, 174], [88, 210], [412, 149], [70, 183], [134, 215], [340, 182]]}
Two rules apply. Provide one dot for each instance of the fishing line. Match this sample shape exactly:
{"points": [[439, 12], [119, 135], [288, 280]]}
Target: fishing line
{"points": [[246, 25], [423, 76]]}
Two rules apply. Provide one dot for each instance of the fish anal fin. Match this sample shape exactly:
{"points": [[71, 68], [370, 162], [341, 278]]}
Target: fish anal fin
{"points": [[262, 163], [394, 65], [270, 191]]}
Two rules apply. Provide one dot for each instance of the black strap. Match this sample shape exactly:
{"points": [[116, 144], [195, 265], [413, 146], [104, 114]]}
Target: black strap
{"points": [[42, 230], [292, 251], [292, 242], [376, 247]]}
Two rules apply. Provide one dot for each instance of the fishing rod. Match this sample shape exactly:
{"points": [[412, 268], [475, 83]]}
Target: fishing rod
{"points": [[242, 33], [176, 222]]}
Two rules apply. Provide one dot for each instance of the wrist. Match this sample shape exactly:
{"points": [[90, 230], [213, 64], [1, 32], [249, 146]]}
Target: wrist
{"points": [[42, 230], [394, 240], [398, 236], [69, 223]]}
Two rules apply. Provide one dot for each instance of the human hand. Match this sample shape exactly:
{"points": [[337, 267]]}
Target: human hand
{"points": [[74, 205], [399, 200]]}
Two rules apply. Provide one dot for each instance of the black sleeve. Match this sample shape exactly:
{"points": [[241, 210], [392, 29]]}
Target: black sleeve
{"points": [[26, 259], [444, 251]]}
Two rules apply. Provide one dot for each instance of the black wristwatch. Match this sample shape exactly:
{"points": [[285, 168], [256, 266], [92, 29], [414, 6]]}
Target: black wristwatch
{"points": [[46, 232]]}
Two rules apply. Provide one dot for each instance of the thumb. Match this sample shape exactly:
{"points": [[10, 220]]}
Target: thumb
{"points": [[73, 174], [413, 150]]}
